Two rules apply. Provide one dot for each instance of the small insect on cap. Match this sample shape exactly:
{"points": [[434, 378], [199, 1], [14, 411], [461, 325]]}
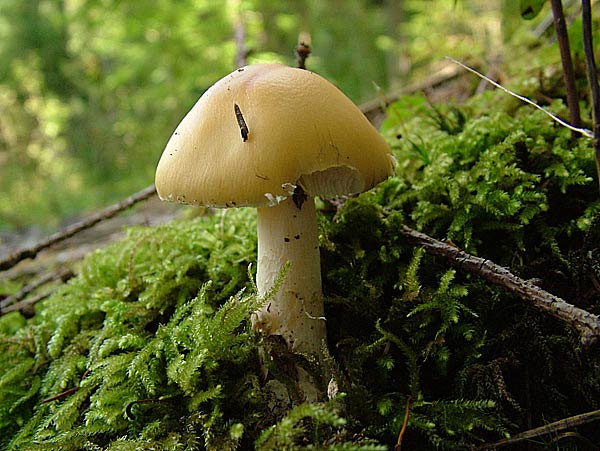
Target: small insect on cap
{"points": [[264, 129]]}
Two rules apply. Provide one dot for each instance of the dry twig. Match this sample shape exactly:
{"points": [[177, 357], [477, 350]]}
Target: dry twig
{"points": [[62, 274], [30, 252], [26, 305], [552, 428], [62, 395], [567, 63], [67, 392], [242, 52], [587, 324], [302, 51], [398, 446], [375, 109]]}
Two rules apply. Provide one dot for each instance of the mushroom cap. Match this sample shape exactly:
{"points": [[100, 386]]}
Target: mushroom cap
{"points": [[302, 130]]}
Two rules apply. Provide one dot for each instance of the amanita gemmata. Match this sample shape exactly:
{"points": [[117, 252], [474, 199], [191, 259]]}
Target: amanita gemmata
{"points": [[274, 137]]}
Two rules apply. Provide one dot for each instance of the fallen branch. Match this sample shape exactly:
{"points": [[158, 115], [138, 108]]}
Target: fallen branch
{"points": [[25, 307], [377, 106], [30, 252], [62, 275], [587, 324], [552, 428]]}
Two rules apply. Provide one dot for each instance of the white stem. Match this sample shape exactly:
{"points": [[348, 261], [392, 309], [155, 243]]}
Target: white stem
{"points": [[288, 234]]}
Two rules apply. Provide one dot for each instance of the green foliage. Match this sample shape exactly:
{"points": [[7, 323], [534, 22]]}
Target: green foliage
{"points": [[149, 334], [91, 91], [508, 185], [317, 422], [150, 346], [418, 335], [490, 174], [455, 424]]}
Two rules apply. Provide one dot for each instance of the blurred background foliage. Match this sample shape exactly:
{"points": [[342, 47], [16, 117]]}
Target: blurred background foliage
{"points": [[90, 90]]}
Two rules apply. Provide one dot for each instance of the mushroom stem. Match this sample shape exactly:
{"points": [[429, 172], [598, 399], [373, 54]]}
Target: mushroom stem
{"points": [[287, 233]]}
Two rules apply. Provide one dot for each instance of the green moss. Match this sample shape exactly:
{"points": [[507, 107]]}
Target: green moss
{"points": [[150, 346], [144, 334]]}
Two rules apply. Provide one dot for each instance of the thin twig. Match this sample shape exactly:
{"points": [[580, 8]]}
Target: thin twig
{"points": [[62, 395], [541, 28], [26, 305], [242, 52], [302, 51], [583, 131], [375, 110], [552, 428], [588, 48], [567, 63], [587, 324], [62, 274], [398, 446], [67, 392], [30, 252]]}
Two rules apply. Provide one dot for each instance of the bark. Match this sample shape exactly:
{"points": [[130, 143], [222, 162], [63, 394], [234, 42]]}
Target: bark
{"points": [[14, 302], [30, 252], [552, 428], [586, 323]]}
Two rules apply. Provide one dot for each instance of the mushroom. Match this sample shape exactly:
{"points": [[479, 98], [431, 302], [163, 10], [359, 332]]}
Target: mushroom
{"points": [[273, 137]]}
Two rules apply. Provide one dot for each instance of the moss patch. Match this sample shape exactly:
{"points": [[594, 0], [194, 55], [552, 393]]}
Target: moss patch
{"points": [[150, 346]]}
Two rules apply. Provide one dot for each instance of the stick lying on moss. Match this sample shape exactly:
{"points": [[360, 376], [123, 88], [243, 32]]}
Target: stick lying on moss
{"points": [[30, 252], [585, 322], [15, 301], [552, 428]]}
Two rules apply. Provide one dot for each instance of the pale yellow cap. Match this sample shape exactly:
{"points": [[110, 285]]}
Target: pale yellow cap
{"points": [[301, 130]]}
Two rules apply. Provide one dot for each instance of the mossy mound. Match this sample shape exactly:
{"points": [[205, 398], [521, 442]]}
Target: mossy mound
{"points": [[150, 346]]}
